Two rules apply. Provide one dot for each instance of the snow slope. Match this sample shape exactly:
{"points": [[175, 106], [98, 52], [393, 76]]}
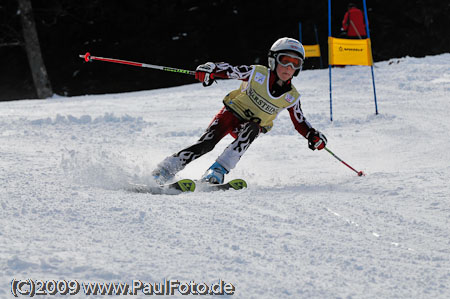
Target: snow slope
{"points": [[307, 226]]}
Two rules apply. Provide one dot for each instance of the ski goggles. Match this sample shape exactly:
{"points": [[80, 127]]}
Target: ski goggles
{"points": [[289, 59]]}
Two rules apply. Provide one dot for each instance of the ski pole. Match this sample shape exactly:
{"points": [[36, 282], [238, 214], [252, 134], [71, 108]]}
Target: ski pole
{"points": [[89, 58], [360, 173]]}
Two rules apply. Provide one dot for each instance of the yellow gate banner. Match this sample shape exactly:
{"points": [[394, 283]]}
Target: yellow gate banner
{"points": [[343, 51], [312, 50]]}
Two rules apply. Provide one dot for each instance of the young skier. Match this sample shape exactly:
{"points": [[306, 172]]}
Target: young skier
{"points": [[248, 110]]}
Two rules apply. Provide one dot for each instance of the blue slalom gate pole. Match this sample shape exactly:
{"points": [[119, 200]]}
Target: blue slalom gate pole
{"points": [[317, 41], [331, 96], [371, 67], [300, 32], [329, 65]]}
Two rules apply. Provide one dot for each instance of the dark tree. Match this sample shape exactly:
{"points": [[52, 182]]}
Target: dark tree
{"points": [[33, 49]]}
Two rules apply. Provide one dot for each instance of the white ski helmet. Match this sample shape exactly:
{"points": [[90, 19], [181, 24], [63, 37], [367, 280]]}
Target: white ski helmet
{"points": [[283, 45]]}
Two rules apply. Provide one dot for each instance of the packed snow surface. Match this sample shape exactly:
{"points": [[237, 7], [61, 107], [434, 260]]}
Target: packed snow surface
{"points": [[306, 227]]}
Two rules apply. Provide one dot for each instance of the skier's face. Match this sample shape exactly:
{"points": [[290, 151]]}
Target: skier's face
{"points": [[285, 72]]}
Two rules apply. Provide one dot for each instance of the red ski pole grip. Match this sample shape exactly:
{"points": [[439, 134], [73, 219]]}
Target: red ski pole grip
{"points": [[87, 57], [216, 75]]}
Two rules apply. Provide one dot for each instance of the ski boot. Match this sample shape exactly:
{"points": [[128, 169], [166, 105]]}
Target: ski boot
{"points": [[162, 175], [166, 170], [215, 174]]}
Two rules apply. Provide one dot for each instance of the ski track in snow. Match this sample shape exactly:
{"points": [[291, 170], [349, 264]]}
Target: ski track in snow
{"points": [[307, 226]]}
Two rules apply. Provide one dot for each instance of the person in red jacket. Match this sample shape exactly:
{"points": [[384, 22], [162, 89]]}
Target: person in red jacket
{"points": [[353, 23]]}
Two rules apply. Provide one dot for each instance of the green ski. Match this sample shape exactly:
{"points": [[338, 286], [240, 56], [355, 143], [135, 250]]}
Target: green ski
{"points": [[235, 184], [177, 187]]}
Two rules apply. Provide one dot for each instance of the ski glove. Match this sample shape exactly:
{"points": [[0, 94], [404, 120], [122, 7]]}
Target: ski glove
{"points": [[204, 73], [316, 140]]}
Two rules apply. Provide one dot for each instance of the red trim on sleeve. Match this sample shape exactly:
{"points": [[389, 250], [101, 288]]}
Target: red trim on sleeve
{"points": [[300, 124]]}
